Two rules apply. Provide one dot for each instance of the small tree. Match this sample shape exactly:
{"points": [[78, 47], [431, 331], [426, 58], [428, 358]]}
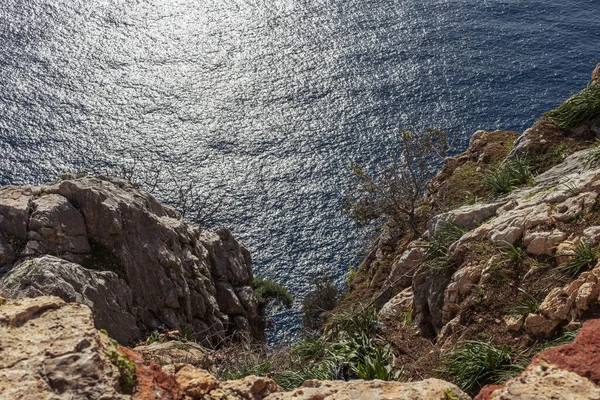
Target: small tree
{"points": [[321, 299], [397, 190]]}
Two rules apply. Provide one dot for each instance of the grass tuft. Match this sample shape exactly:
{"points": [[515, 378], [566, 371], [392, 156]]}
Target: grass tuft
{"points": [[476, 364], [579, 109], [513, 173], [526, 304], [436, 251], [583, 258]]}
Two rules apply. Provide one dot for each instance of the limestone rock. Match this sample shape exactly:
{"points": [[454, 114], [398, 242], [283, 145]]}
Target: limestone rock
{"points": [[176, 276], [368, 390], [564, 305], [176, 352], [51, 350], [591, 235], [401, 303], [403, 270], [543, 242], [548, 381], [564, 372], [195, 383], [102, 291], [460, 285]]}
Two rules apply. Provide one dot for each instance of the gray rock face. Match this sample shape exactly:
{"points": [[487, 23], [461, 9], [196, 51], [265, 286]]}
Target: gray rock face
{"points": [[107, 295], [176, 276]]}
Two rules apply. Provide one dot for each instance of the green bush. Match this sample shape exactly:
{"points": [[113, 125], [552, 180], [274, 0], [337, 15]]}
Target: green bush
{"points": [[476, 364], [579, 109], [267, 291], [321, 299], [356, 320]]}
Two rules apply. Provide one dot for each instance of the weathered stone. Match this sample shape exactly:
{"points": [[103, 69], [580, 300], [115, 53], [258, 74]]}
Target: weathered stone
{"points": [[565, 251], [546, 381], [399, 304], [368, 390], [543, 242], [107, 295], [469, 216], [403, 269], [514, 323], [169, 267], [564, 372], [176, 352], [460, 285], [539, 326], [51, 350], [575, 206], [14, 210], [591, 235]]}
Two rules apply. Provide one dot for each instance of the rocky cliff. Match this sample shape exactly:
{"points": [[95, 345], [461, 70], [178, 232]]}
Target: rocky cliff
{"points": [[139, 266], [505, 276]]}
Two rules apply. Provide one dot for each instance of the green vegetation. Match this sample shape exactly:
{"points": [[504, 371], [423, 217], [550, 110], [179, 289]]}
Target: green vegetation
{"points": [[321, 299], [396, 191], [476, 364], [153, 338], [127, 369], [579, 109], [594, 155], [436, 251], [509, 175], [347, 348], [267, 291], [583, 258], [526, 304]]}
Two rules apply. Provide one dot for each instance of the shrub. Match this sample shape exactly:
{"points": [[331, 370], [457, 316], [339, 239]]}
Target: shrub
{"points": [[397, 190], [583, 258], [577, 110], [510, 174], [476, 364], [356, 320], [267, 291], [321, 299]]}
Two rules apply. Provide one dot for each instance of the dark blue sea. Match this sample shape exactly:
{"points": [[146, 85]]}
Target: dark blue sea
{"points": [[261, 105]]}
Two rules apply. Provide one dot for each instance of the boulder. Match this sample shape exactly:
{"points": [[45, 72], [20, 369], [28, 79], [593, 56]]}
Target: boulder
{"points": [[176, 352], [51, 350], [107, 295], [399, 304], [543, 242], [177, 277], [564, 372], [368, 390]]}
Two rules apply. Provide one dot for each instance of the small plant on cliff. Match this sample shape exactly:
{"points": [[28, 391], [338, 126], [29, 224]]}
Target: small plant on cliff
{"points": [[526, 304], [396, 191], [436, 251], [322, 299], [476, 364], [267, 291], [579, 109], [510, 174], [127, 369], [583, 258]]}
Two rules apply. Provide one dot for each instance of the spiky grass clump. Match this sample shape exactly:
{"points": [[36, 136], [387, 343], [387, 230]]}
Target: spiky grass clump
{"points": [[583, 258], [579, 109], [436, 251], [476, 364], [526, 304], [504, 178], [356, 320]]}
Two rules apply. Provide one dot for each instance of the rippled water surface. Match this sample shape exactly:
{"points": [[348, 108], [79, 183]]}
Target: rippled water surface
{"points": [[262, 104]]}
